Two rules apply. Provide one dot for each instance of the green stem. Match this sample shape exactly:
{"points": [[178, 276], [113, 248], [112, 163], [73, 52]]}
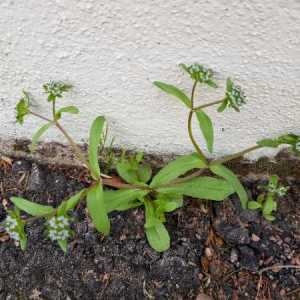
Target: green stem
{"points": [[234, 156], [40, 116], [190, 130], [53, 110], [75, 147], [207, 105], [217, 161]]}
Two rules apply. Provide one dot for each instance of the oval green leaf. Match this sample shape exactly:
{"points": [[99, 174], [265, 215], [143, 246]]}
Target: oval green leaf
{"points": [[174, 91], [120, 199], [207, 129], [176, 168], [38, 134], [32, 208], [158, 237], [201, 187], [94, 142], [227, 174], [97, 209]]}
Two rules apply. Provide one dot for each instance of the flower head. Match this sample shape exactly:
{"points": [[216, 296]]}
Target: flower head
{"points": [[14, 226], [59, 228], [200, 74], [234, 95], [55, 89]]}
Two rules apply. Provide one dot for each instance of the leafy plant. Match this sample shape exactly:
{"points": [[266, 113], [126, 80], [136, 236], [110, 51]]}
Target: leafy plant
{"points": [[157, 195], [266, 201]]}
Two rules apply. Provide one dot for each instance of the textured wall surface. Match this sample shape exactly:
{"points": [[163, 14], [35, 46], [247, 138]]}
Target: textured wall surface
{"points": [[111, 51]]}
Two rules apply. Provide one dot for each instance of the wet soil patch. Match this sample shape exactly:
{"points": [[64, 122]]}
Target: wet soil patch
{"points": [[217, 248]]}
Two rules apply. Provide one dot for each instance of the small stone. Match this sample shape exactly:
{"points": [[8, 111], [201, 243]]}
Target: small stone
{"points": [[233, 234], [36, 181], [254, 237], [248, 258], [234, 256], [249, 216], [20, 166], [208, 253]]}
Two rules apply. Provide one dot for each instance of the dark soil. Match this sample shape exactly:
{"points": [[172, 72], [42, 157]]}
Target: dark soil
{"points": [[217, 248]]}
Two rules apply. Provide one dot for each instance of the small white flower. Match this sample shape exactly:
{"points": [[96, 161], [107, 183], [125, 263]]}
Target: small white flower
{"points": [[281, 191], [15, 236], [58, 228], [11, 222]]}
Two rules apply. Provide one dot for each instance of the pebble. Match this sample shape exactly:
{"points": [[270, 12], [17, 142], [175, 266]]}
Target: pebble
{"points": [[36, 181], [255, 238], [233, 234], [248, 259], [19, 166], [234, 256]]}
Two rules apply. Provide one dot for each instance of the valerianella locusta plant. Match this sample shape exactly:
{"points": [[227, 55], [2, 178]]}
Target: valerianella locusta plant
{"points": [[234, 97], [59, 228]]}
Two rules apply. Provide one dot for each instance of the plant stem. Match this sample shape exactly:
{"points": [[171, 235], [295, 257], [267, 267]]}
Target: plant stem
{"points": [[217, 161], [40, 116], [53, 109], [207, 105], [234, 156], [190, 130], [75, 147]]}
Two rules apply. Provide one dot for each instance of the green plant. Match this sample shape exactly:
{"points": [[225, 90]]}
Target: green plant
{"points": [[266, 201], [157, 195]]}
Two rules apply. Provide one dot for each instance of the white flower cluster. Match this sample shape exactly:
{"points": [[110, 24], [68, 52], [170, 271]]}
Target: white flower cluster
{"points": [[200, 73], [58, 228], [11, 227], [297, 146], [236, 96], [280, 191]]}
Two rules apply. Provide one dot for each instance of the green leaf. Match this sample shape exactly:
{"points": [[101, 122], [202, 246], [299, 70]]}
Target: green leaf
{"points": [[273, 181], [269, 217], [288, 139], [94, 141], [22, 108], [223, 106], [63, 244], [97, 209], [122, 199], [201, 187], [158, 237], [144, 173], [125, 170], [174, 91], [254, 205], [206, 128], [20, 229], [232, 179], [168, 202], [176, 168], [71, 203], [157, 234], [269, 205], [38, 134], [32, 208], [268, 143], [67, 109]]}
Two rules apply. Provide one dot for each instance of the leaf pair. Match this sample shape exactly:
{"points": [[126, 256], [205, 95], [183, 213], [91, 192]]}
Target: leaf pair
{"points": [[204, 120], [133, 171]]}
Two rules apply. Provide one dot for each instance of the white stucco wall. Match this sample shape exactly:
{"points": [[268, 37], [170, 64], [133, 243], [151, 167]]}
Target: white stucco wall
{"points": [[111, 51]]}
